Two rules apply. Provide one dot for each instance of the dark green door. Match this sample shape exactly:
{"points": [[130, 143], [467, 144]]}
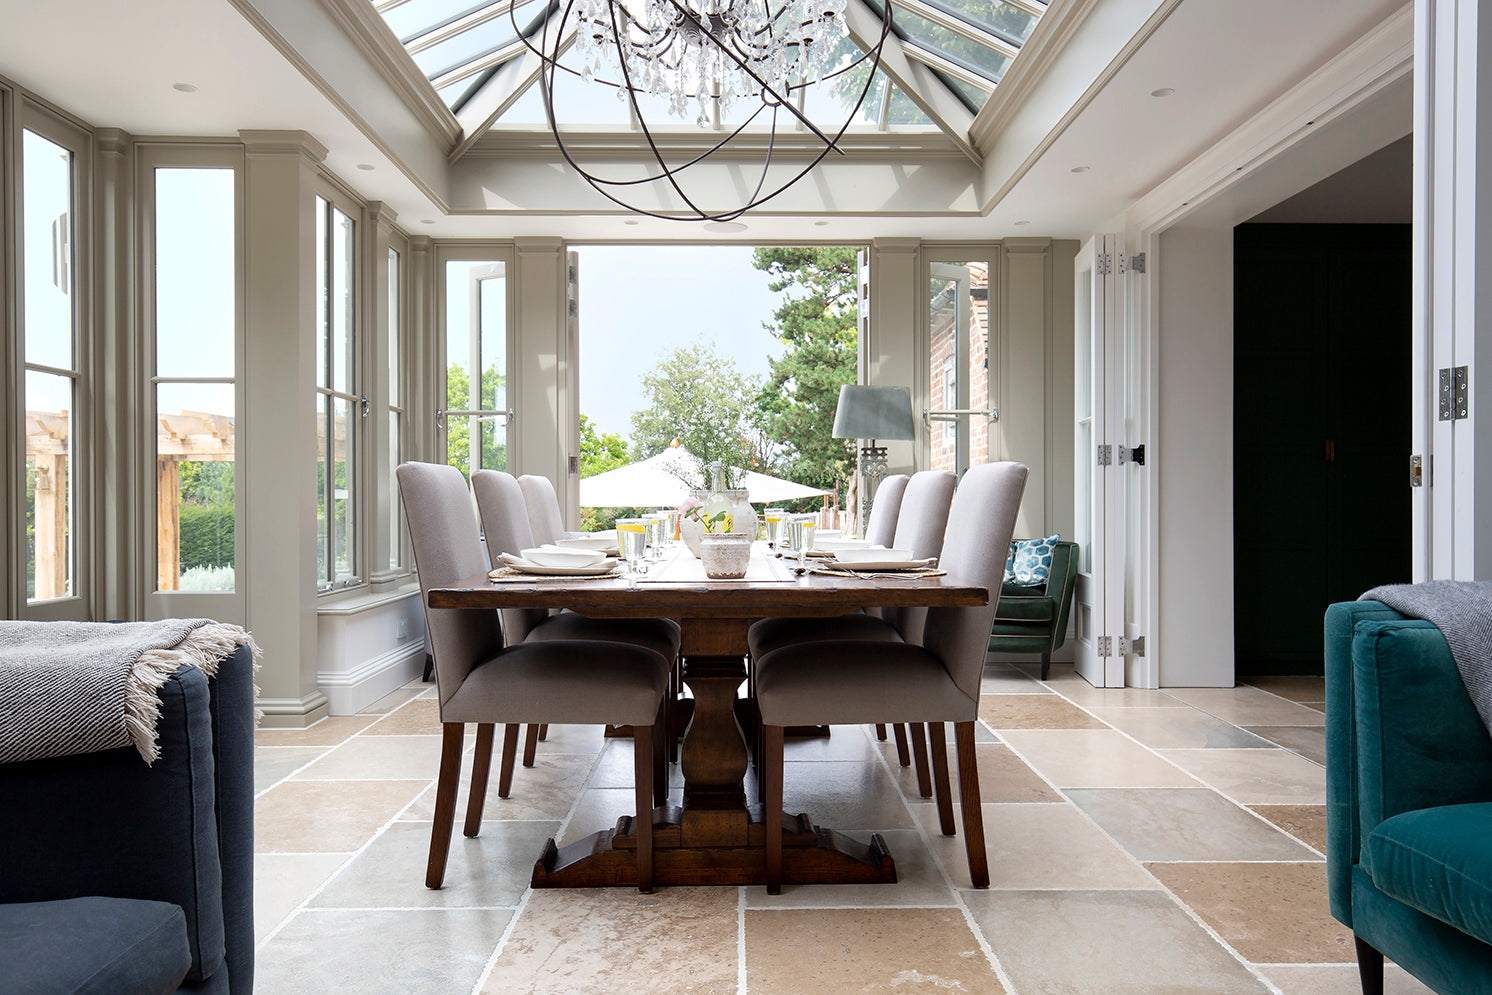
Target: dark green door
{"points": [[1320, 431]]}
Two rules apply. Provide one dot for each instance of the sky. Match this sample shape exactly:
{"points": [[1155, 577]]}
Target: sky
{"points": [[639, 303]]}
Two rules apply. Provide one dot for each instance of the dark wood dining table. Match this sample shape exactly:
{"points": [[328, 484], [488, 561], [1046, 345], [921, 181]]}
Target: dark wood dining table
{"points": [[714, 836]]}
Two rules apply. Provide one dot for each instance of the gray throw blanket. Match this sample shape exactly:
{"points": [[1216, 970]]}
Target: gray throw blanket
{"points": [[81, 687], [1462, 611]]}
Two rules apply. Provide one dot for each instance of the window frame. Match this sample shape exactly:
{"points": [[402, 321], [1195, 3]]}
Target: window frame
{"points": [[228, 606], [488, 252], [390, 312]]}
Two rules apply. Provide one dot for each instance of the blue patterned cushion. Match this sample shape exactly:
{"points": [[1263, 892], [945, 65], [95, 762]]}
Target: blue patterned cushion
{"points": [[1030, 561]]}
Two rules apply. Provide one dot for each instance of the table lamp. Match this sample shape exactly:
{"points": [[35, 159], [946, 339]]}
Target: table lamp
{"points": [[871, 413]]}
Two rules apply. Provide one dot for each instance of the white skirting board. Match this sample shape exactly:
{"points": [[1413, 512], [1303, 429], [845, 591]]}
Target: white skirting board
{"points": [[350, 691]]}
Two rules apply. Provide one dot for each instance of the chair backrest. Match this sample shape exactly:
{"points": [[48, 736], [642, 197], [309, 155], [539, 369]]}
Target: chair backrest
{"points": [[884, 509], [504, 508], [447, 548], [980, 524], [920, 525], [542, 508]]}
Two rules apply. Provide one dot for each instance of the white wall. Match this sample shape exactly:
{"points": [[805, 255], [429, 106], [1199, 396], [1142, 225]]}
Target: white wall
{"points": [[1195, 444]]}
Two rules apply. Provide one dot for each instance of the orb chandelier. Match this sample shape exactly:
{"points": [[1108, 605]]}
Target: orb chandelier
{"points": [[706, 58]]}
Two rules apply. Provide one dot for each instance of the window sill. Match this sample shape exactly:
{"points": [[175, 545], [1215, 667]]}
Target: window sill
{"points": [[362, 600]]}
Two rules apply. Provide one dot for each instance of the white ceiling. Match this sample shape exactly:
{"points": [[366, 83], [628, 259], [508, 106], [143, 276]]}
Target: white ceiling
{"points": [[114, 64]]}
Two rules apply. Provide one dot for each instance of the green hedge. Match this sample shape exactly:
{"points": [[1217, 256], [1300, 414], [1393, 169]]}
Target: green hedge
{"points": [[206, 535]]}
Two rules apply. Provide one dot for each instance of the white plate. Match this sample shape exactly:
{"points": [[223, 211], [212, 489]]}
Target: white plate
{"points": [[873, 553], [524, 566], [554, 556], [601, 541], [882, 565], [835, 545], [834, 534]]}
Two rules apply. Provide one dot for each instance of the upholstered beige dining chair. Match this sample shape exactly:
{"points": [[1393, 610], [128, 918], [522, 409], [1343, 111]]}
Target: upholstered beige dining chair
{"points": [[855, 681], [884, 509], [541, 504], [506, 513], [480, 680]]}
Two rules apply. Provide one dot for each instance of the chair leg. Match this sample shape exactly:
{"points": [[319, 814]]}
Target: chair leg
{"points": [[881, 731], [453, 738], [919, 757], [660, 755], [642, 773], [1369, 967], [771, 775], [936, 734], [543, 731], [968, 789], [530, 744], [481, 765], [902, 756], [1046, 665], [510, 751]]}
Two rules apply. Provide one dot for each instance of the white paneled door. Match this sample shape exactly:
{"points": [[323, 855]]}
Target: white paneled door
{"points": [[1098, 605]]}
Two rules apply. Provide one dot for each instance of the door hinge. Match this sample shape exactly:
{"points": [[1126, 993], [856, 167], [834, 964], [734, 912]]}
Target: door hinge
{"points": [[573, 465], [1102, 262], [1416, 470], [1105, 454], [1135, 646], [1453, 393], [1105, 646], [574, 310], [1135, 455], [1137, 263]]}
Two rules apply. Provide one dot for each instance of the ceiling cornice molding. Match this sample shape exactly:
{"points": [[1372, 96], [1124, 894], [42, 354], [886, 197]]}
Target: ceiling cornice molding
{"points": [[627, 145], [261, 141], [1047, 41], [376, 40], [1380, 58]]}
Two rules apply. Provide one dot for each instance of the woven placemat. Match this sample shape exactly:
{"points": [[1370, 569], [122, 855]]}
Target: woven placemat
{"points": [[818, 568], [505, 574]]}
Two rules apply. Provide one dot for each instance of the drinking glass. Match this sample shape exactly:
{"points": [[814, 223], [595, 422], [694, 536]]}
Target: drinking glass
{"points": [[800, 534], [774, 517], [632, 539], [655, 524]]}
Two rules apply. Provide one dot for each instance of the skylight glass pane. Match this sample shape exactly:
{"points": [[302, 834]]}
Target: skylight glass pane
{"points": [[954, 47], [578, 104], [415, 17], [905, 114], [1011, 23], [829, 102], [972, 96], [482, 39]]}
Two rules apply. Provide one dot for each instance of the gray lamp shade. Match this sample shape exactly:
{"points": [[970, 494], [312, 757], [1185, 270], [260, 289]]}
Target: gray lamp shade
{"points": [[867, 412]]}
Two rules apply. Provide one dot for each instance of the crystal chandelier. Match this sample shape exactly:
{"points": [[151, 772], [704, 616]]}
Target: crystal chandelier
{"points": [[707, 57]]}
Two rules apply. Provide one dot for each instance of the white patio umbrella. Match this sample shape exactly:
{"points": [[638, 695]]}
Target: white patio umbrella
{"points": [[659, 481]]}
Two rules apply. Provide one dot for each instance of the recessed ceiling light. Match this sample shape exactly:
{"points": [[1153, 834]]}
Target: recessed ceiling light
{"points": [[1020, 223], [185, 87], [366, 166], [427, 221], [1081, 169], [632, 221], [1164, 91], [821, 224], [725, 227]]}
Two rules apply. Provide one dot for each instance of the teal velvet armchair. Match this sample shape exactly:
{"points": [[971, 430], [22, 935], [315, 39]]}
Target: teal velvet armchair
{"points": [[1034, 619], [1408, 802]]}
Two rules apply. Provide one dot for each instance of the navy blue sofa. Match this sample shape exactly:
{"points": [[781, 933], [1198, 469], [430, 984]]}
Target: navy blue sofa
{"points": [[119, 877]]}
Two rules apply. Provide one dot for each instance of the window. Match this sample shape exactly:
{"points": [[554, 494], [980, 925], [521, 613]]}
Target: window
{"points": [[396, 411], [958, 347], [49, 320], [476, 412], [338, 405], [196, 317]]}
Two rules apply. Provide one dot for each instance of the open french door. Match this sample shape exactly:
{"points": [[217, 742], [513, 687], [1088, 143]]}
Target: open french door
{"points": [[1098, 604]]}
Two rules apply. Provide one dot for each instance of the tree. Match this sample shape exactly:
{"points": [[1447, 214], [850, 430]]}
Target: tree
{"points": [[600, 452], [458, 429], [699, 398], [817, 322]]}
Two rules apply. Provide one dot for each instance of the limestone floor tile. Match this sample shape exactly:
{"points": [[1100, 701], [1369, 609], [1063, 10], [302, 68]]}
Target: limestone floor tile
{"points": [[1296, 688], [1033, 711], [864, 950], [1002, 678], [1114, 942], [598, 809], [1246, 706], [401, 757], [273, 764], [326, 816], [1256, 777], [842, 743], [379, 951], [842, 795], [283, 880], [332, 731], [615, 940], [573, 739], [1036, 847], [545, 791], [1184, 824], [919, 882], [1094, 758], [420, 717], [1319, 706], [1269, 913], [1179, 727], [614, 769], [1080, 692], [489, 871], [1005, 777], [1306, 823], [1337, 979], [1308, 742], [394, 699]]}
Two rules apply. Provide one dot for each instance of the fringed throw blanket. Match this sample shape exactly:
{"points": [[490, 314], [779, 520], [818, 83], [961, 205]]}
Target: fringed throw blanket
{"points": [[1462, 611], [80, 687]]}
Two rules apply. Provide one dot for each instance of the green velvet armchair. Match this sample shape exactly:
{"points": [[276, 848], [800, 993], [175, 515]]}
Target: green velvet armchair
{"points": [[1034, 619], [1408, 802]]}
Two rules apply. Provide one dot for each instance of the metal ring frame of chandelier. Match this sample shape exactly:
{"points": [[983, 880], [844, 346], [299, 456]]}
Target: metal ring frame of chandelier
{"points": [[550, 55]]}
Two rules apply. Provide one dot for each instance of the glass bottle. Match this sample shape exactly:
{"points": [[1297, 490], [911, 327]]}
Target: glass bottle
{"points": [[717, 507]]}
